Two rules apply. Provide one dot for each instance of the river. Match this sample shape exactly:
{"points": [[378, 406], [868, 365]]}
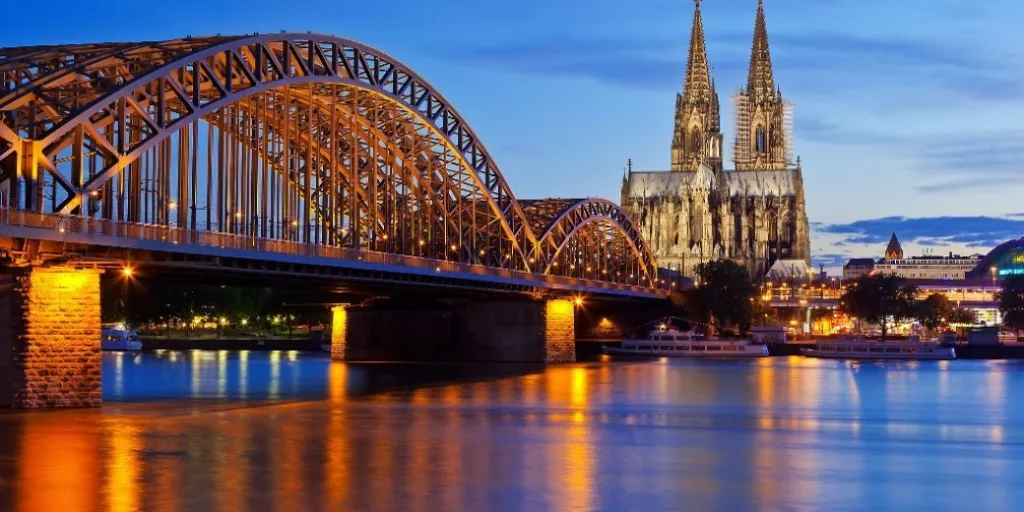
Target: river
{"points": [[239, 431]]}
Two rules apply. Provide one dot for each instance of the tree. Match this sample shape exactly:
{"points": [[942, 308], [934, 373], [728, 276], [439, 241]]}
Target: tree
{"points": [[724, 294], [1011, 303], [960, 316], [934, 310], [880, 298]]}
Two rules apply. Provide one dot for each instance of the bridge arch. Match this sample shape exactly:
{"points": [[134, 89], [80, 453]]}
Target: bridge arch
{"points": [[140, 94], [300, 137], [589, 237]]}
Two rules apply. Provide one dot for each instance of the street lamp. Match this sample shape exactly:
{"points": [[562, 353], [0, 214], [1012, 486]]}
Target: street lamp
{"points": [[993, 282]]}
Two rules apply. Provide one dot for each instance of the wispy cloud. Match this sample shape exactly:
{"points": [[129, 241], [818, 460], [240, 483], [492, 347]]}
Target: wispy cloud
{"points": [[819, 61], [978, 231]]}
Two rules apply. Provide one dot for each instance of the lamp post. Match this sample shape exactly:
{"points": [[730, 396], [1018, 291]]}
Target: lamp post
{"points": [[993, 269]]}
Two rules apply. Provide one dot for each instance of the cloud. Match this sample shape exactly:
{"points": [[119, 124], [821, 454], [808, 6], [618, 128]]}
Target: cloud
{"points": [[928, 71], [650, 63], [978, 231], [992, 181], [950, 162], [830, 260]]}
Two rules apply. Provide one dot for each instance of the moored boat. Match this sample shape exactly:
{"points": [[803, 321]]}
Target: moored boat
{"points": [[672, 343], [863, 349], [119, 337]]}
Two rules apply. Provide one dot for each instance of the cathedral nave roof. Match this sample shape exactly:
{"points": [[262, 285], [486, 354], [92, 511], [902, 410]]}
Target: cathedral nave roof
{"points": [[761, 183]]}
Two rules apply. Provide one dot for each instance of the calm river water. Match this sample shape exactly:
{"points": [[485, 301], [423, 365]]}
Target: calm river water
{"points": [[292, 431]]}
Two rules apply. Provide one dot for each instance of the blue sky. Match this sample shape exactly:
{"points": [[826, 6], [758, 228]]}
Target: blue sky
{"points": [[908, 114]]}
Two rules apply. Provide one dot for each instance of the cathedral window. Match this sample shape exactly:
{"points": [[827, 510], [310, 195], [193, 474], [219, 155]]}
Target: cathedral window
{"points": [[696, 141], [762, 143]]}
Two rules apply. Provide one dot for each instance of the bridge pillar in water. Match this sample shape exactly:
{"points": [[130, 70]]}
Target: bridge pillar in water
{"points": [[516, 331], [467, 330], [50, 337], [559, 331], [339, 333]]}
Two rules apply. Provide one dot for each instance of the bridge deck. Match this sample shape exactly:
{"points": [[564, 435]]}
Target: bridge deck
{"points": [[74, 230]]}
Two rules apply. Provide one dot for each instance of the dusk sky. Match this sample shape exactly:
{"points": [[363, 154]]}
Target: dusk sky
{"points": [[908, 114]]}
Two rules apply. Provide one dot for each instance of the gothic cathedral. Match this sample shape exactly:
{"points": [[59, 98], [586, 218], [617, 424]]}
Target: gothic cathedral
{"points": [[699, 211]]}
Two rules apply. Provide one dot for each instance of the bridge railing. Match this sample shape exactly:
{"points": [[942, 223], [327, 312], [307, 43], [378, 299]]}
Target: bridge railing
{"points": [[64, 224]]}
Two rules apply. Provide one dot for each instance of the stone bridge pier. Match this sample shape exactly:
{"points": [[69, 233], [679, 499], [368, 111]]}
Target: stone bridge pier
{"points": [[50, 337], [462, 330]]}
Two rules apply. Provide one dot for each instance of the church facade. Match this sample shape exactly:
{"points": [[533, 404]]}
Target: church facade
{"points": [[700, 211]]}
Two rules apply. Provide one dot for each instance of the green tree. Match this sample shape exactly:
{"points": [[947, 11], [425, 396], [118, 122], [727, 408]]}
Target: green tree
{"points": [[934, 310], [880, 298], [960, 316], [1011, 303], [724, 294]]}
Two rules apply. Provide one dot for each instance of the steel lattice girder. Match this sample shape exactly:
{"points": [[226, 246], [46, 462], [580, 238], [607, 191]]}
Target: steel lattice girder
{"points": [[559, 220], [117, 103]]}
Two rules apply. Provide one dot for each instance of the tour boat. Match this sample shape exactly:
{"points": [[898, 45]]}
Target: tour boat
{"points": [[119, 337], [862, 349], [672, 343]]}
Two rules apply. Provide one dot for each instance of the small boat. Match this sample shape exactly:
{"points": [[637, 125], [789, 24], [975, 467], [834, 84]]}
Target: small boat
{"points": [[672, 343], [119, 337], [863, 349]]}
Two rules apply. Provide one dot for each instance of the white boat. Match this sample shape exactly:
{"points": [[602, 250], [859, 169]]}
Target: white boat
{"points": [[672, 343], [863, 349], [119, 337]]}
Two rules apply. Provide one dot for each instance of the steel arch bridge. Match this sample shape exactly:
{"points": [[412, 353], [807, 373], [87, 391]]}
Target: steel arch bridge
{"points": [[295, 143]]}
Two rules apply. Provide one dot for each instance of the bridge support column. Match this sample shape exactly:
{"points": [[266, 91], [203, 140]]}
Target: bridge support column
{"points": [[516, 331], [559, 331], [339, 333], [50, 338]]}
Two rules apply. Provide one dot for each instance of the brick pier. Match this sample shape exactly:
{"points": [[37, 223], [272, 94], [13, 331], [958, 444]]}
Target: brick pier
{"points": [[50, 337]]}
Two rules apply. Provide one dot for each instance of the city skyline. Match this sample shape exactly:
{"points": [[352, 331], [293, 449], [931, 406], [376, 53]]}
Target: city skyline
{"points": [[900, 127]]}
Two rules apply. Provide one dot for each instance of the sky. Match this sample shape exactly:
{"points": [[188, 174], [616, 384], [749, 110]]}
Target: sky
{"points": [[909, 114]]}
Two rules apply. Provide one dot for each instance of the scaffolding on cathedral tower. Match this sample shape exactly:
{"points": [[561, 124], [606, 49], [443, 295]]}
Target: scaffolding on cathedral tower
{"points": [[787, 128], [742, 128]]}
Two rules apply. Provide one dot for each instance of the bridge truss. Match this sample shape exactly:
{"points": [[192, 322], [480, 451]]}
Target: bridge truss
{"points": [[288, 140]]}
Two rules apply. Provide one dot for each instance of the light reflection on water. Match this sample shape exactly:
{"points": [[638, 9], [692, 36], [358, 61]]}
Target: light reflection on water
{"points": [[292, 431]]}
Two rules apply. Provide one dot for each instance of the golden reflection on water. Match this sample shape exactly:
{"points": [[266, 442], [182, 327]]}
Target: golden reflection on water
{"points": [[243, 374], [229, 448], [58, 465], [337, 463], [122, 458], [222, 373], [701, 431], [275, 374], [119, 372], [197, 377]]}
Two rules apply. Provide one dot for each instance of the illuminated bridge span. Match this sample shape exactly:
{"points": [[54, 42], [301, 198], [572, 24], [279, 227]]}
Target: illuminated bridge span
{"points": [[291, 148], [295, 157]]}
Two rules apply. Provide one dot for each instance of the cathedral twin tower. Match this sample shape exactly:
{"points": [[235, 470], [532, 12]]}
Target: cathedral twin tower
{"points": [[699, 211]]}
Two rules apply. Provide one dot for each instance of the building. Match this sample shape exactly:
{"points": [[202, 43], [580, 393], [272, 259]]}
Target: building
{"points": [[698, 211], [790, 271], [1007, 259], [952, 266], [858, 267]]}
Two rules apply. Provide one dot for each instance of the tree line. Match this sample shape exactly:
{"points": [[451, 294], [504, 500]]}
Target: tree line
{"points": [[726, 298]]}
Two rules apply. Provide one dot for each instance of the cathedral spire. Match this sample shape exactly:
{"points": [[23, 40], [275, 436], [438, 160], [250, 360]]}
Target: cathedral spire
{"points": [[698, 81], [760, 81]]}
